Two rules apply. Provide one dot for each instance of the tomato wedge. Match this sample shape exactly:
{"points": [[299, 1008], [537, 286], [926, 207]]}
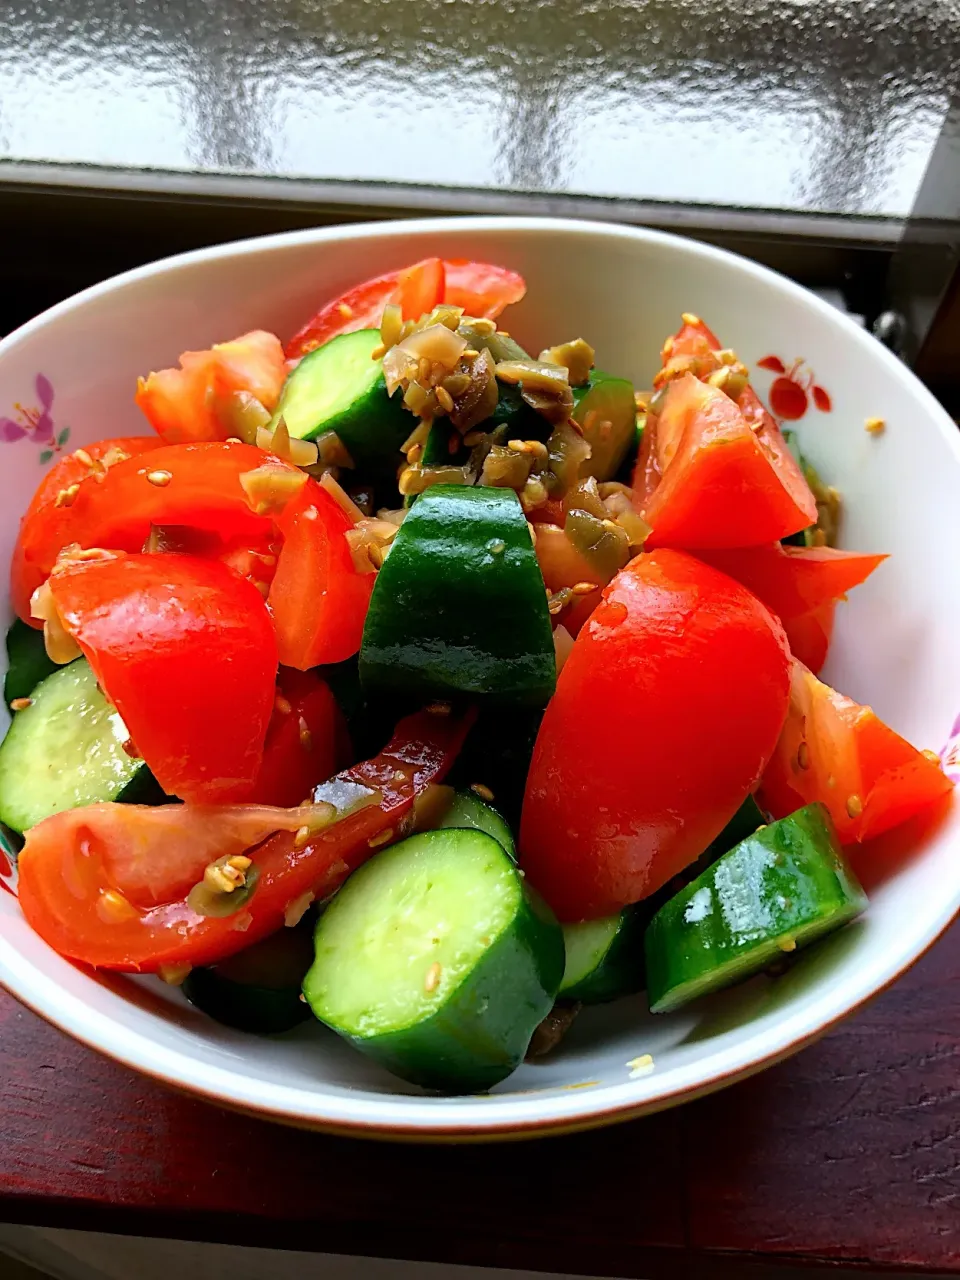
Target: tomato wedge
{"points": [[193, 485], [306, 741], [51, 521], [792, 581], [107, 885], [693, 338], [809, 635], [666, 712], [318, 599], [197, 401], [705, 478], [184, 649], [836, 751], [481, 288]]}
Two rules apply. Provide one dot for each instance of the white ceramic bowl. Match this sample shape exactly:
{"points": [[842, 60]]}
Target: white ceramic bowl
{"points": [[895, 645]]}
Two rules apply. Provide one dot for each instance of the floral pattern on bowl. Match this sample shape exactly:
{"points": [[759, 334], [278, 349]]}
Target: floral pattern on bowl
{"points": [[36, 422]]}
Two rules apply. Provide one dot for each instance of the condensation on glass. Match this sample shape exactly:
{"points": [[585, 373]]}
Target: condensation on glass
{"points": [[816, 105]]}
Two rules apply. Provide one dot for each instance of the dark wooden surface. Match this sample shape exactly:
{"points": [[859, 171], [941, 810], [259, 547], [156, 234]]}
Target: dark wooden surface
{"points": [[849, 1153]]}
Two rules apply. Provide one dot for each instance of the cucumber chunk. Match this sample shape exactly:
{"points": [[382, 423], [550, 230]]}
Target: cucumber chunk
{"points": [[459, 605], [604, 958], [65, 750], [27, 661], [257, 990], [607, 412], [438, 961], [781, 888], [467, 810], [340, 388]]}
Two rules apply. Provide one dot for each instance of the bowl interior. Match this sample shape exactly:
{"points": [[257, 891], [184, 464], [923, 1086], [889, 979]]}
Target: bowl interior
{"points": [[894, 647]]}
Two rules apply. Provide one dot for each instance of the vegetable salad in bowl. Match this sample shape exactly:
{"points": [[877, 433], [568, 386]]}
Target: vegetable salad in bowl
{"points": [[433, 687]]}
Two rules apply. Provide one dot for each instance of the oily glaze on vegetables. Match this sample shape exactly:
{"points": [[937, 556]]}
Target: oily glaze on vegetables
{"points": [[406, 542]]}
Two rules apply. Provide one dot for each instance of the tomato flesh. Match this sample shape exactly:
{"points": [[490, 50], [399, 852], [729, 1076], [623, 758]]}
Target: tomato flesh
{"points": [[194, 402], [46, 527], [318, 599], [792, 581], [809, 635], [306, 741], [666, 712], [836, 751], [106, 885], [184, 649], [481, 288], [705, 479]]}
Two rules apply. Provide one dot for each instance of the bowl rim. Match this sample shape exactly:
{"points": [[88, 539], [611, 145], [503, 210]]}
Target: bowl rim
{"points": [[552, 1109]]}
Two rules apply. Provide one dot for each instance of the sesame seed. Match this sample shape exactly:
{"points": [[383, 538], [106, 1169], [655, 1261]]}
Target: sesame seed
{"points": [[469, 354], [439, 708], [432, 980], [584, 588], [160, 478], [382, 837], [668, 346], [689, 318], [854, 806], [306, 737], [926, 753], [345, 310], [66, 496], [484, 792], [803, 756], [875, 426], [301, 837], [82, 456], [21, 704], [378, 352], [498, 546], [444, 399], [787, 944]]}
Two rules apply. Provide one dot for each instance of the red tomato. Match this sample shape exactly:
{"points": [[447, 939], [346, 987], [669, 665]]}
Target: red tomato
{"points": [[704, 478], [665, 715], [194, 401], [794, 580], [691, 339], [107, 884], [809, 635], [318, 599], [481, 288], [47, 528], [417, 289], [306, 741], [185, 651], [838, 752], [204, 492]]}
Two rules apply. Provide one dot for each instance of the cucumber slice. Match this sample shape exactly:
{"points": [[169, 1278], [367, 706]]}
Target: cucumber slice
{"points": [[340, 387], [604, 958], [258, 989], [27, 661], [607, 412], [437, 960], [781, 888], [467, 810], [66, 750], [459, 605]]}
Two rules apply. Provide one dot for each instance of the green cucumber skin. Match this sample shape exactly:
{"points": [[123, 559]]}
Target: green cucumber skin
{"points": [[786, 882], [245, 1007], [449, 615], [522, 422], [497, 753], [468, 811], [27, 661], [613, 396], [502, 1002], [481, 1031], [372, 427], [621, 971]]}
